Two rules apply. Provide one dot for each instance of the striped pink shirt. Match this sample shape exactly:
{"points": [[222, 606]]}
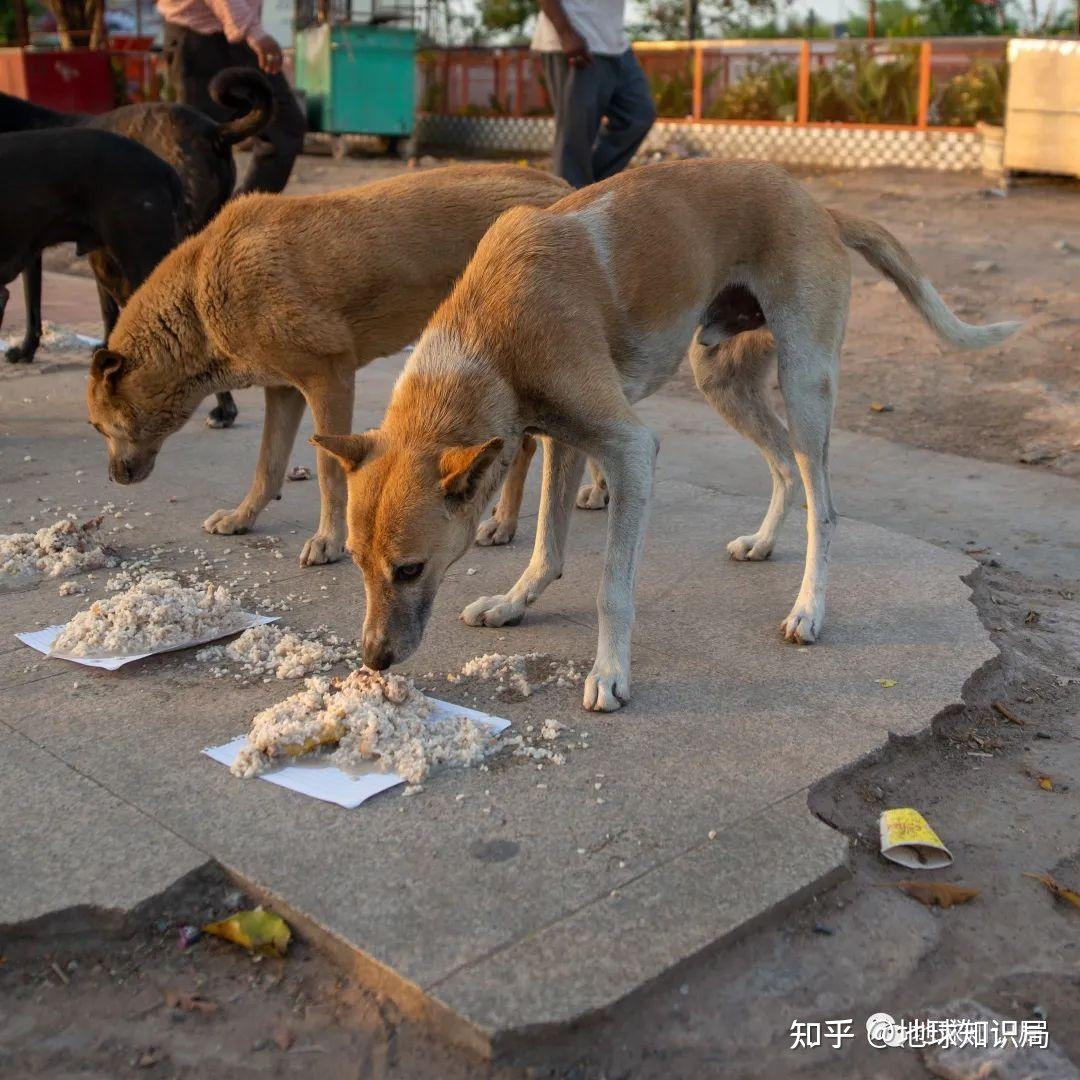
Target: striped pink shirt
{"points": [[240, 20]]}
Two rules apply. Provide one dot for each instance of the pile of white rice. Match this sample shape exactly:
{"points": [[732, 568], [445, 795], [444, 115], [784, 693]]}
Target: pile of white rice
{"points": [[155, 613], [369, 717], [521, 673], [57, 550], [270, 651]]}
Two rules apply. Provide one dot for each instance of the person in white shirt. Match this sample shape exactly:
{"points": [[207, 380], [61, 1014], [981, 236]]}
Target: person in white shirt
{"points": [[603, 107]]}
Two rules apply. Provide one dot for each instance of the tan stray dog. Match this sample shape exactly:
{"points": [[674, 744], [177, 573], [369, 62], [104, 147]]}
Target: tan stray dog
{"points": [[567, 316], [295, 294]]}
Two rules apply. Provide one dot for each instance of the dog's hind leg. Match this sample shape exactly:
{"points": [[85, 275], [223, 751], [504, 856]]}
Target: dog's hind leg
{"points": [[731, 375], [331, 402], [562, 471], [808, 375], [24, 352], [284, 408], [501, 526], [594, 495]]}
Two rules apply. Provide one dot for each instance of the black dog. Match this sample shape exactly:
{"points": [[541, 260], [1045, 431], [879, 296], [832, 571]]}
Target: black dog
{"points": [[197, 147], [97, 190]]}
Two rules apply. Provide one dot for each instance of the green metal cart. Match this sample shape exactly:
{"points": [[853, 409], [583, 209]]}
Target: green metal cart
{"points": [[359, 79]]}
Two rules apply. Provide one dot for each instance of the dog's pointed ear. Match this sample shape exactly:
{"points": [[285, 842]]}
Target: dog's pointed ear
{"points": [[107, 367], [350, 450], [464, 467]]}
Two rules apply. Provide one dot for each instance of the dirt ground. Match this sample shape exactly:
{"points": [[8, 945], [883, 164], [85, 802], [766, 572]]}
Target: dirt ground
{"points": [[80, 998]]}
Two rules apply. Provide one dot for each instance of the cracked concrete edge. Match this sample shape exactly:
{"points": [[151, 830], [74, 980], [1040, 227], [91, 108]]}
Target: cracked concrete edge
{"points": [[83, 919], [464, 1008], [372, 974], [820, 792]]}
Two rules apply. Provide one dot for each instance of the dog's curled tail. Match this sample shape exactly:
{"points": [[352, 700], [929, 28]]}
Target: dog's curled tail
{"points": [[889, 257], [248, 92]]}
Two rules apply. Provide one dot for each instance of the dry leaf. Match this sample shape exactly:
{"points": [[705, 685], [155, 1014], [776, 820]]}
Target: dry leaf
{"points": [[260, 930], [1061, 892], [1042, 779], [190, 1003], [1031, 618], [888, 684], [283, 1037], [1003, 710], [877, 406], [937, 893]]}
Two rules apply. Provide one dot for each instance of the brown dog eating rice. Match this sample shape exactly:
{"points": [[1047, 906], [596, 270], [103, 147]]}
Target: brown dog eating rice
{"points": [[567, 316], [294, 294]]}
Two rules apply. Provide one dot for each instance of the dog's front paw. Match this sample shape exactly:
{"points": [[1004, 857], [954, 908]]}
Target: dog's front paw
{"points": [[803, 624], [495, 531], [322, 549], [606, 689], [21, 354], [750, 548], [592, 496], [494, 611], [228, 522]]}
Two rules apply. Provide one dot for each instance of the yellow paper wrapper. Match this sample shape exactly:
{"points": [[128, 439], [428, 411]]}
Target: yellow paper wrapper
{"points": [[907, 839]]}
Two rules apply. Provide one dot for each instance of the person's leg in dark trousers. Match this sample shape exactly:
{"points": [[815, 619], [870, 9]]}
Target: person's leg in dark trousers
{"points": [[578, 95], [194, 59], [630, 114]]}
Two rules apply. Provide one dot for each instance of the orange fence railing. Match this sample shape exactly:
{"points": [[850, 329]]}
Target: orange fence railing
{"points": [[938, 82]]}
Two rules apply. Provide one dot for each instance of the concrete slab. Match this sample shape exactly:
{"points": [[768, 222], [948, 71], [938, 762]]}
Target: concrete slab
{"points": [[503, 901], [69, 845], [494, 911]]}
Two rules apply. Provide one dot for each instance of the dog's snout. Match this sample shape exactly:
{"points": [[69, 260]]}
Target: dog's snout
{"points": [[377, 655]]}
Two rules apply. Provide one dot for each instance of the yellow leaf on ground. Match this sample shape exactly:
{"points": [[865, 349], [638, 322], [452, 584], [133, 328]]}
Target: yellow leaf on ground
{"points": [[888, 684], [1061, 892], [260, 930], [1045, 782], [937, 893]]}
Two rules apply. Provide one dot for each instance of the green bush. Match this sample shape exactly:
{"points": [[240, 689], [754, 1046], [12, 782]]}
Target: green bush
{"points": [[859, 89], [673, 93], [978, 94], [768, 91]]}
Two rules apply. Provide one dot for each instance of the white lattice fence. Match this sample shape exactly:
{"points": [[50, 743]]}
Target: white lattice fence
{"points": [[790, 144]]}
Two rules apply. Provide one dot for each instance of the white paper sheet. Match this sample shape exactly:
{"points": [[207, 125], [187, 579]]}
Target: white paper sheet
{"points": [[42, 640], [314, 775]]}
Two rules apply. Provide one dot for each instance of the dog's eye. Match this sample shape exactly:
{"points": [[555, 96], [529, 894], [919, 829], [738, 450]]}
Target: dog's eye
{"points": [[408, 571]]}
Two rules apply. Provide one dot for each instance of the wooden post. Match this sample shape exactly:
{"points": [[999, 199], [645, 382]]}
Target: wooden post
{"points": [[923, 116], [803, 103], [519, 95], [446, 83], [871, 18], [699, 80], [500, 86]]}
